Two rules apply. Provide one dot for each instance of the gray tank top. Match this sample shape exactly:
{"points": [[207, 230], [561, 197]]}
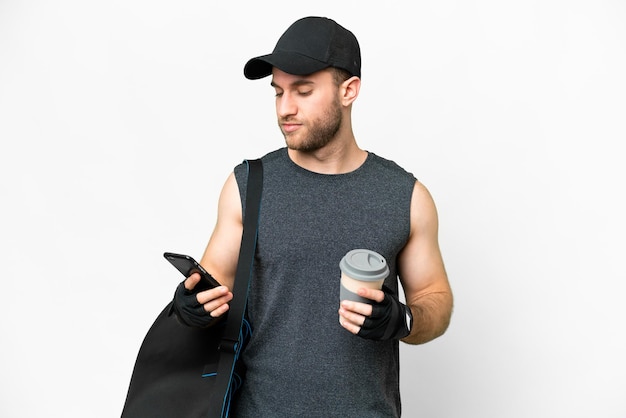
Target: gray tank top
{"points": [[301, 362]]}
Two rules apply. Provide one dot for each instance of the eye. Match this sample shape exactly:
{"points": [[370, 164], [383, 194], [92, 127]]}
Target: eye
{"points": [[305, 93]]}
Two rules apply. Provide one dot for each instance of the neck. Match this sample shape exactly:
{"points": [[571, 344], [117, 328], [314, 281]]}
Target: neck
{"points": [[338, 157]]}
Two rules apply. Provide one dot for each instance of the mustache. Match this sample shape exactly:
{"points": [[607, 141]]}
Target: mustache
{"points": [[287, 119]]}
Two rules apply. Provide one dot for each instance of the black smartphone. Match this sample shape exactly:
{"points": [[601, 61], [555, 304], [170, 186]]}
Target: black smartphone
{"points": [[187, 265]]}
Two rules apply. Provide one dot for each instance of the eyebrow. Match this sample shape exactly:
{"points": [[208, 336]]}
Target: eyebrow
{"points": [[297, 83]]}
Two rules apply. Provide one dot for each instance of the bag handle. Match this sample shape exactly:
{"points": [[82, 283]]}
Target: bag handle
{"points": [[230, 344]]}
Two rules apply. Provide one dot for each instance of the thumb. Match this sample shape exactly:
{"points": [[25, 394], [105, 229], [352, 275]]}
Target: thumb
{"points": [[192, 281]]}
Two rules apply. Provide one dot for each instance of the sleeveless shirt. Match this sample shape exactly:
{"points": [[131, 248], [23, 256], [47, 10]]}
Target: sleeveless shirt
{"points": [[300, 361]]}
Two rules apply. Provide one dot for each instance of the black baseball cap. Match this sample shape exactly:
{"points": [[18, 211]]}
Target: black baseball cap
{"points": [[309, 45]]}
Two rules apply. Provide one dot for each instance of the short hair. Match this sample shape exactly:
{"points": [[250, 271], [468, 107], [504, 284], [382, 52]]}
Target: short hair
{"points": [[339, 75]]}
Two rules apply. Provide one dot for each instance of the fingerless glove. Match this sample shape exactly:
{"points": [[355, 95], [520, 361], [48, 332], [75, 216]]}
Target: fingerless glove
{"points": [[389, 319], [188, 310]]}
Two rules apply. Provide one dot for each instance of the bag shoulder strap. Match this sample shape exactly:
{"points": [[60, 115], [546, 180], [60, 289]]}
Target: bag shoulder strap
{"points": [[229, 346], [238, 304]]}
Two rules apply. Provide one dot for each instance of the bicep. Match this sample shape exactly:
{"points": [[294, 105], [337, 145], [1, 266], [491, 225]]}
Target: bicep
{"points": [[421, 267], [222, 251]]}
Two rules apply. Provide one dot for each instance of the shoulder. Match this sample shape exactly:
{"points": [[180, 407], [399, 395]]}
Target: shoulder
{"points": [[268, 159], [389, 167], [424, 215], [423, 210]]}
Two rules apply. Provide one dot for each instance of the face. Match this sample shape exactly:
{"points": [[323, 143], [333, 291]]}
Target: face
{"points": [[308, 109]]}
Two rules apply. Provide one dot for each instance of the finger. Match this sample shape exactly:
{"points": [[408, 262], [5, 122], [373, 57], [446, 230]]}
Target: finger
{"points": [[345, 323], [219, 311], [373, 294], [216, 306], [351, 317], [192, 281], [364, 309], [210, 294]]}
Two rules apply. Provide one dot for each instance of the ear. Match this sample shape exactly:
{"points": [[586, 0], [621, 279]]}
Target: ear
{"points": [[349, 90]]}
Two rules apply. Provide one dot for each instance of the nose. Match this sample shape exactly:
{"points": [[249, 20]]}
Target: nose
{"points": [[286, 105]]}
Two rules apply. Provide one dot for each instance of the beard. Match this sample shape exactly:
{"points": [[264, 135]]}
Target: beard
{"points": [[320, 131]]}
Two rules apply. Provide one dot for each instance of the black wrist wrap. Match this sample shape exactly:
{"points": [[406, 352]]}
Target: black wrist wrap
{"points": [[389, 319]]}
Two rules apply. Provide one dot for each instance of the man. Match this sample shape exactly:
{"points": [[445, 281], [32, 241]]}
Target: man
{"points": [[311, 355]]}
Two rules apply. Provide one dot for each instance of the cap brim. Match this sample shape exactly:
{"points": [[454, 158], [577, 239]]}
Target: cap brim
{"points": [[289, 62]]}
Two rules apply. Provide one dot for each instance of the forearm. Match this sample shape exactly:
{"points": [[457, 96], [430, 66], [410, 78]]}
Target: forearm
{"points": [[431, 317]]}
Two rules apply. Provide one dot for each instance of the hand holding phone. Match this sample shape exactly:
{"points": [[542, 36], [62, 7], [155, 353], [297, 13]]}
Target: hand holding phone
{"points": [[185, 305], [187, 266]]}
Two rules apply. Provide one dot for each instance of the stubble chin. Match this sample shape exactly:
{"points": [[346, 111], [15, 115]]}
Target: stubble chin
{"points": [[298, 141], [311, 137]]}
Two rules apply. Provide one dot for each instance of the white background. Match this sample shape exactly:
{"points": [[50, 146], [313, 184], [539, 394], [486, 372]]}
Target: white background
{"points": [[120, 120]]}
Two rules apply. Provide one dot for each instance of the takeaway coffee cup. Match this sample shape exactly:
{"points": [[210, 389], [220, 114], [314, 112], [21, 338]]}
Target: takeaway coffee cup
{"points": [[361, 268]]}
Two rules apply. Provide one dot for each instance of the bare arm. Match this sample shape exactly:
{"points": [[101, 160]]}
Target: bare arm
{"points": [[422, 272], [222, 251]]}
